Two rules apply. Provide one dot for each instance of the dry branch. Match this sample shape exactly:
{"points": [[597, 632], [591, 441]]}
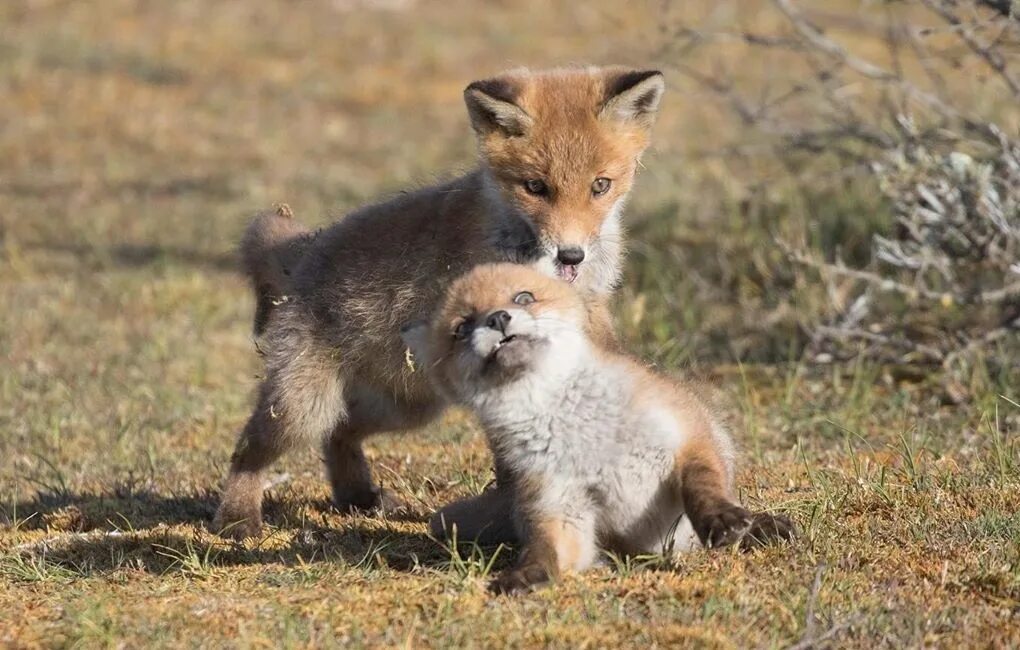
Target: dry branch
{"points": [[943, 282]]}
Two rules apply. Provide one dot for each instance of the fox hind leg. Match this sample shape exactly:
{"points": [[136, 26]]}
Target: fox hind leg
{"points": [[240, 511], [768, 528], [300, 399], [368, 412], [485, 518], [704, 490], [350, 476]]}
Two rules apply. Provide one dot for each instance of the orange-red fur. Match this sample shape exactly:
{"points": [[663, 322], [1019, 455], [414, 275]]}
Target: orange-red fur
{"points": [[603, 452], [330, 306]]}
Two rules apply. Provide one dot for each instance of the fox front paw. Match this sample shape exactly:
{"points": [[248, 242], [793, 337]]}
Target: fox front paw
{"points": [[725, 526], [519, 580], [768, 529], [376, 499]]}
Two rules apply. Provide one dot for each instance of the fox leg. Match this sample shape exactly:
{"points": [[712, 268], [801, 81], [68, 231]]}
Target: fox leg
{"points": [[240, 511], [350, 476], [300, 399], [714, 514], [553, 544], [271, 430], [558, 534], [368, 412], [486, 518]]}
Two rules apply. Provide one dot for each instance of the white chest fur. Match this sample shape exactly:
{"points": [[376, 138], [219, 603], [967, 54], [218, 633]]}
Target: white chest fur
{"points": [[593, 446]]}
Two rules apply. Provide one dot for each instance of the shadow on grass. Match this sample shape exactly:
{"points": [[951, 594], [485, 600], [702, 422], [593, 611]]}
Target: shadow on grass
{"points": [[131, 509], [126, 509], [163, 550], [98, 534]]}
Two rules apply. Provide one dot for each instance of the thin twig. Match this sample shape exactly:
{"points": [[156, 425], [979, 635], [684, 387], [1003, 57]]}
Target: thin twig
{"points": [[805, 644], [990, 297], [984, 341], [809, 619], [867, 69], [881, 339], [989, 55]]}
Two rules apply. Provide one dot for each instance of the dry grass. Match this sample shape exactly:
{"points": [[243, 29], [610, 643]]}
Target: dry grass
{"points": [[135, 137]]}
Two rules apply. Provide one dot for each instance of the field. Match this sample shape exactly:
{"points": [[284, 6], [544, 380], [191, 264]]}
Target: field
{"points": [[137, 137]]}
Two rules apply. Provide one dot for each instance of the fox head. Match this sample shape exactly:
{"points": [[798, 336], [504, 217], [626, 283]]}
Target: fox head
{"points": [[498, 323], [562, 147]]}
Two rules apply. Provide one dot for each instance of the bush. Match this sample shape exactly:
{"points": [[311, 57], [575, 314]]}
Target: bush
{"points": [[941, 286]]}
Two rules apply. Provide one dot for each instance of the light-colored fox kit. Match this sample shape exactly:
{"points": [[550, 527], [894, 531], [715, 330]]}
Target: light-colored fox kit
{"points": [[558, 149], [604, 454]]}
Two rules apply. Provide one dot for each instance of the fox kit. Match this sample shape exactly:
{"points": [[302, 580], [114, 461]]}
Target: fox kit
{"points": [[558, 149], [604, 454]]}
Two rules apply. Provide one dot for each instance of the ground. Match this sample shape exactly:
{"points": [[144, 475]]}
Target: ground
{"points": [[137, 137]]}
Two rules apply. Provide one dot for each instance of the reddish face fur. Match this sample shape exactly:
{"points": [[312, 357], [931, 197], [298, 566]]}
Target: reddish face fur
{"points": [[492, 287], [565, 137]]}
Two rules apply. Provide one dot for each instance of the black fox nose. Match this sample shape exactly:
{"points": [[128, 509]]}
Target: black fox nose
{"points": [[570, 256], [498, 320]]}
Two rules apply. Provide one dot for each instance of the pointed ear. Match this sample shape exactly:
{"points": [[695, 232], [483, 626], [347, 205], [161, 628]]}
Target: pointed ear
{"points": [[633, 96], [491, 105], [415, 336]]}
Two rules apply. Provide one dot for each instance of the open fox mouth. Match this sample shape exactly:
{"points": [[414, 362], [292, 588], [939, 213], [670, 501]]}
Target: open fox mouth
{"points": [[512, 354], [504, 341], [567, 272]]}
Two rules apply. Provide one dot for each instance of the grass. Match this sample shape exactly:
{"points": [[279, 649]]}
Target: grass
{"points": [[135, 138]]}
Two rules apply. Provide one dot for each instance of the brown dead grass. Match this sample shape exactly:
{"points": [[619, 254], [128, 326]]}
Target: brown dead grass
{"points": [[135, 137]]}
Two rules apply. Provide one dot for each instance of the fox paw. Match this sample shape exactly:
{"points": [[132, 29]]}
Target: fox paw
{"points": [[725, 527], [768, 529], [389, 503], [375, 499], [236, 526], [519, 580]]}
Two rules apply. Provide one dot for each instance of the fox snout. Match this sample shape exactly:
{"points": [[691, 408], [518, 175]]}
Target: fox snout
{"points": [[570, 255], [492, 328], [568, 258], [501, 339], [498, 320]]}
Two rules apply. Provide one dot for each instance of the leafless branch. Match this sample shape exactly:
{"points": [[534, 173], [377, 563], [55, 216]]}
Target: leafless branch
{"points": [[991, 56], [859, 65], [943, 281]]}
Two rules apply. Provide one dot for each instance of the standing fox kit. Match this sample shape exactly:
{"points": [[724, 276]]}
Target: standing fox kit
{"points": [[604, 454], [558, 154]]}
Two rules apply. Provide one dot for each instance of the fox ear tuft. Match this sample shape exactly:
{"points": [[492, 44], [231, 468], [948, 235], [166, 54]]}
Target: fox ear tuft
{"points": [[415, 336], [491, 105], [633, 96]]}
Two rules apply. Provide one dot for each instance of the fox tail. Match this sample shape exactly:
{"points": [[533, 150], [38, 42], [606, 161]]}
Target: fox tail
{"points": [[271, 248]]}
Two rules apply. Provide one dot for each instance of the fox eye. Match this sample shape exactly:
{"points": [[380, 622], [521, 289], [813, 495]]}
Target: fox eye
{"points": [[524, 298], [461, 331], [536, 186], [600, 186]]}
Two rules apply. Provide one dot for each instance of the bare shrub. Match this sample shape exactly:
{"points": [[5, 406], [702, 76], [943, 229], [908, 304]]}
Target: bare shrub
{"points": [[892, 101]]}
